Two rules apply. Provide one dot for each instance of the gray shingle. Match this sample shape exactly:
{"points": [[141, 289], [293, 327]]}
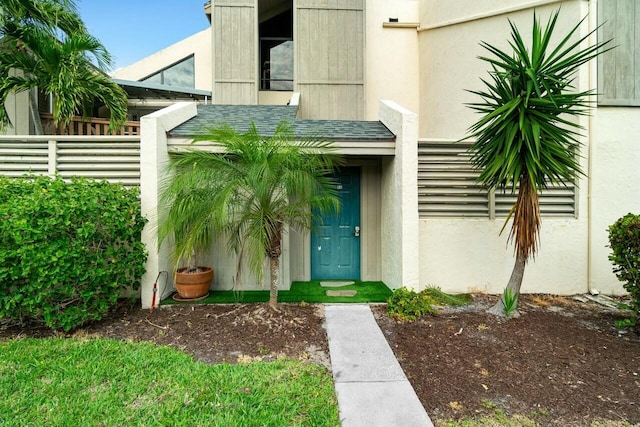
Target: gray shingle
{"points": [[267, 118]]}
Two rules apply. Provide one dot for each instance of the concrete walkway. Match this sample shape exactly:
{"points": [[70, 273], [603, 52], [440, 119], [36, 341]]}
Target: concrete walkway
{"points": [[371, 386]]}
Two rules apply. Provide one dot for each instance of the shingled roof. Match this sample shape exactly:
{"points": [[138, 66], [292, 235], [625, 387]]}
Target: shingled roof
{"points": [[267, 117]]}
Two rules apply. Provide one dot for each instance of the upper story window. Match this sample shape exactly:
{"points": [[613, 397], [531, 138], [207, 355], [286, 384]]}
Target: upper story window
{"points": [[618, 70], [180, 74], [275, 19], [276, 59]]}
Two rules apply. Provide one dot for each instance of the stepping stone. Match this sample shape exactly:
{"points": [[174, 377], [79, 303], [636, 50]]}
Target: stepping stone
{"points": [[341, 293], [336, 284]]}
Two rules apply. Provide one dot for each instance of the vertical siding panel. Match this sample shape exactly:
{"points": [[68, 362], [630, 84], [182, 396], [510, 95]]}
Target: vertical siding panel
{"points": [[322, 30], [330, 54], [371, 228], [636, 52], [235, 70], [607, 63], [300, 38], [625, 40], [618, 73]]}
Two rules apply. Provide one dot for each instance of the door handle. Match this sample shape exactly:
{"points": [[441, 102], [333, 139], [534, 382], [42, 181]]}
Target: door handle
{"points": [[356, 232]]}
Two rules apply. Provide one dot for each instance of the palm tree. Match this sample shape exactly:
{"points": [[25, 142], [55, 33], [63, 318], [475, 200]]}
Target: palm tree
{"points": [[250, 193], [526, 139], [52, 15], [47, 42]]}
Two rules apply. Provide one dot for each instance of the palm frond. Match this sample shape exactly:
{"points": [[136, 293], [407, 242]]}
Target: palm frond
{"points": [[253, 189], [528, 137]]}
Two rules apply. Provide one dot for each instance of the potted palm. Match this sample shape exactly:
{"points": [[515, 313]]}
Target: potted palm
{"points": [[188, 221]]}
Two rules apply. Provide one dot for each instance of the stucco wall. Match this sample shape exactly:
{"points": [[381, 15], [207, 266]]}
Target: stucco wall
{"points": [[399, 207], [198, 44], [448, 55], [274, 97], [615, 177], [153, 160], [391, 56], [461, 254]]}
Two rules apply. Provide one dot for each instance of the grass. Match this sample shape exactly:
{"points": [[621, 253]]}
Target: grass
{"points": [[310, 292], [82, 382], [443, 298], [406, 305]]}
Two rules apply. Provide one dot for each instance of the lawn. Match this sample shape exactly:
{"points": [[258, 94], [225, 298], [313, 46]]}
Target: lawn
{"points": [[84, 382]]}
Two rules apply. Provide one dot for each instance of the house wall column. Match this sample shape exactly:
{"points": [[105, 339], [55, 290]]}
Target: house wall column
{"points": [[17, 106], [400, 230], [153, 159]]}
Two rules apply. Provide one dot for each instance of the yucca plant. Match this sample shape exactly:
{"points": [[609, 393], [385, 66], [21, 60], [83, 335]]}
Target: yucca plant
{"points": [[528, 136], [249, 194]]}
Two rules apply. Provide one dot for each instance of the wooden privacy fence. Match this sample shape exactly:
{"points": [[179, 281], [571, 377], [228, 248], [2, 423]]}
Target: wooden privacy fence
{"points": [[114, 158], [92, 126]]}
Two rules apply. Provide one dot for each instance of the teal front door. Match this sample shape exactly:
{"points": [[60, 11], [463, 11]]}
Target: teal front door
{"points": [[335, 242]]}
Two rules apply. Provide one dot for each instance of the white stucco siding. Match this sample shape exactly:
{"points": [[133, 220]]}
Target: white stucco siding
{"points": [[153, 160], [438, 12], [198, 45], [462, 254], [615, 178], [449, 49], [465, 255], [399, 222], [391, 56]]}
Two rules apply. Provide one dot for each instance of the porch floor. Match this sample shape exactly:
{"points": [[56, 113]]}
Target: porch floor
{"points": [[310, 292]]}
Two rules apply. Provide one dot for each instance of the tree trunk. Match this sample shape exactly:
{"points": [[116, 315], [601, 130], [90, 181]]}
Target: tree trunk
{"points": [[515, 282], [274, 264]]}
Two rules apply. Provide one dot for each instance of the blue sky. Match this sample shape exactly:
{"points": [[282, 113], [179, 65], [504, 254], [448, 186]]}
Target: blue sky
{"points": [[134, 29]]}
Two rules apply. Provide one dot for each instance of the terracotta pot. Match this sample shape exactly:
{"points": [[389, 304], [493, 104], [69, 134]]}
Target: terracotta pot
{"points": [[193, 285]]}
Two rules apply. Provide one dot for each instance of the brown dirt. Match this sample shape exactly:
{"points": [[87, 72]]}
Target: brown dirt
{"points": [[214, 333], [560, 363]]}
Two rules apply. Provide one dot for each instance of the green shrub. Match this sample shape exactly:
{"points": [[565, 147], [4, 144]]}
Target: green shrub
{"points": [[624, 240], [407, 305], [67, 249]]}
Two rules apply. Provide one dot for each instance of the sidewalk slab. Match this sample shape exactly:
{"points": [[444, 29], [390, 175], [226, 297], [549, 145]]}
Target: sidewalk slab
{"points": [[384, 404], [371, 387]]}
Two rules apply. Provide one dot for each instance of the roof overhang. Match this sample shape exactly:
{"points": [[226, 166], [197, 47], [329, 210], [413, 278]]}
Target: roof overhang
{"points": [[346, 148], [146, 91], [348, 137]]}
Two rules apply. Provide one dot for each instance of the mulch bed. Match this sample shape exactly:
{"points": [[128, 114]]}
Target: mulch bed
{"points": [[213, 333], [560, 363]]}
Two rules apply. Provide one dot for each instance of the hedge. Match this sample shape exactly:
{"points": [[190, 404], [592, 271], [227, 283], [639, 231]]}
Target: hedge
{"points": [[67, 249], [624, 240]]}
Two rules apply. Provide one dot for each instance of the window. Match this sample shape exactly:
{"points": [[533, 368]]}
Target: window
{"points": [[276, 59], [447, 187], [275, 30], [619, 68], [180, 74]]}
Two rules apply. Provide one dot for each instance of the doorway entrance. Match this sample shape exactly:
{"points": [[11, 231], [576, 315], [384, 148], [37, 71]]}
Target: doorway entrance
{"points": [[335, 243]]}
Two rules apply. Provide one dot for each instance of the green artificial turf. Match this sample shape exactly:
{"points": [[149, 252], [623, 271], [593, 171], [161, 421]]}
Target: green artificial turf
{"points": [[310, 292]]}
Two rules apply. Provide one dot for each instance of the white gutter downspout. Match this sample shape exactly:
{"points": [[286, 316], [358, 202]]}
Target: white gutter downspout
{"points": [[593, 70]]}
